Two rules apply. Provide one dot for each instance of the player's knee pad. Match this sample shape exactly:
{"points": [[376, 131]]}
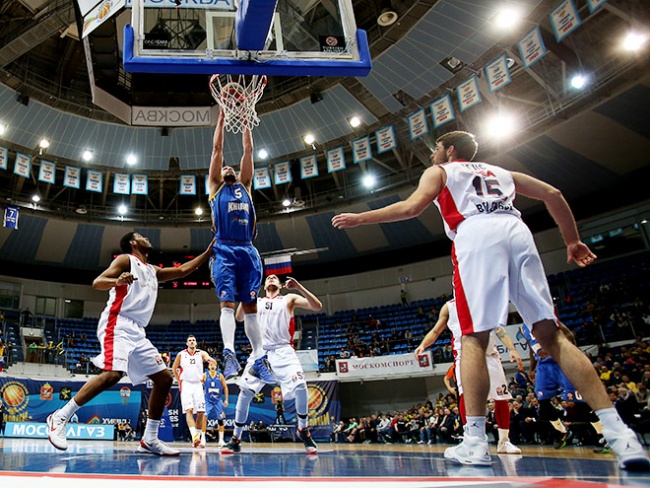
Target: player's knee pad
{"points": [[301, 396]]}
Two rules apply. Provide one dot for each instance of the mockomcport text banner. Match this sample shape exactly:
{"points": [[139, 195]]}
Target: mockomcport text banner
{"points": [[384, 366]]}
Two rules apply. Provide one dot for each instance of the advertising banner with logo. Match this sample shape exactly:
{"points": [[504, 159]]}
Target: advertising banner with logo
{"points": [[384, 366], [32, 401]]}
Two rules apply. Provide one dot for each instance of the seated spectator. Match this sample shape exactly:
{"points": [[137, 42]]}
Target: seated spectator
{"points": [[338, 432], [352, 430]]}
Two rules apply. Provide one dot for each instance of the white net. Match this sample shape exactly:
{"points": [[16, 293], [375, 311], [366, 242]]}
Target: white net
{"points": [[237, 96]]}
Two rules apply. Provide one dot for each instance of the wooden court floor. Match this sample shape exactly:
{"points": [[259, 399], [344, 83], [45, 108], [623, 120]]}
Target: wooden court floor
{"points": [[91, 464]]}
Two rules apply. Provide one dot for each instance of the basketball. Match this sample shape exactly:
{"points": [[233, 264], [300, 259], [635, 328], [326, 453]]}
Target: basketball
{"points": [[234, 91]]}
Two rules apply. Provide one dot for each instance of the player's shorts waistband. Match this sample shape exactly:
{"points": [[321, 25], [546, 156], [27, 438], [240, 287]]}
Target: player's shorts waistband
{"points": [[233, 241]]}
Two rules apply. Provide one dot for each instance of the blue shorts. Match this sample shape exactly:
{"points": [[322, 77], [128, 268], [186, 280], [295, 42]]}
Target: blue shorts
{"points": [[236, 272], [214, 411], [550, 382]]}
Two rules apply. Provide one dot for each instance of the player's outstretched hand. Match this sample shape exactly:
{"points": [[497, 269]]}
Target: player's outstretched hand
{"points": [[345, 221], [419, 351], [580, 253], [291, 283]]}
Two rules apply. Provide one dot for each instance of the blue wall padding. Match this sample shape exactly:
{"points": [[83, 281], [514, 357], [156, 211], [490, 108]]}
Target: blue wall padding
{"points": [[254, 19]]}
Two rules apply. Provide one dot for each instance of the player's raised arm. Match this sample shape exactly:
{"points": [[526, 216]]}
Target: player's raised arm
{"points": [[216, 161], [246, 165], [117, 274], [308, 301], [166, 274], [434, 333]]}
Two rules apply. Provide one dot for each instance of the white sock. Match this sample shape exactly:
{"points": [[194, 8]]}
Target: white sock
{"points": [[504, 435], [151, 430], [227, 324], [610, 419], [559, 426], [193, 432], [203, 437], [68, 410], [475, 427], [254, 334], [221, 432]]}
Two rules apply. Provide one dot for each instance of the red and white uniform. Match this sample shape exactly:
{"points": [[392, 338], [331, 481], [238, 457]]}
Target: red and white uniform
{"points": [[498, 382], [124, 346], [190, 377], [278, 327], [494, 254]]}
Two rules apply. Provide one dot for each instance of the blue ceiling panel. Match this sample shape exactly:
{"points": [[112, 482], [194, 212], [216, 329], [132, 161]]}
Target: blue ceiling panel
{"points": [[22, 244], [563, 168], [85, 247], [630, 109], [338, 243], [268, 239]]}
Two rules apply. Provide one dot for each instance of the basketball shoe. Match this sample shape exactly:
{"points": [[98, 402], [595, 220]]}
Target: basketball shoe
{"points": [[233, 446], [196, 440], [262, 369], [230, 365], [56, 431], [628, 449], [157, 447], [507, 447], [472, 451], [308, 440]]}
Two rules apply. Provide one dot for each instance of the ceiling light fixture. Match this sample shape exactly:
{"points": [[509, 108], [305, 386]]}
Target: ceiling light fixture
{"points": [[286, 202], [309, 138], [634, 41], [354, 121], [122, 209], [369, 181], [36, 198], [507, 17], [131, 159], [579, 82], [3, 129], [262, 153], [87, 155], [198, 211], [387, 15]]}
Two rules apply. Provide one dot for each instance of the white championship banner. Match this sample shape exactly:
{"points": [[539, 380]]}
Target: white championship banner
{"points": [[384, 366]]}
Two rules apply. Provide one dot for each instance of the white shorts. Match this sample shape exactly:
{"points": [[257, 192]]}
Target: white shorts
{"points": [[192, 396], [495, 262], [125, 348], [498, 382], [286, 368]]}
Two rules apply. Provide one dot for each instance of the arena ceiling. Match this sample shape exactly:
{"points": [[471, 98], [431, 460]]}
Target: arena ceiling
{"points": [[589, 142]]}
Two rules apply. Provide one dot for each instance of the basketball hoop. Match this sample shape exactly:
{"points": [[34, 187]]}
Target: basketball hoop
{"points": [[237, 96]]}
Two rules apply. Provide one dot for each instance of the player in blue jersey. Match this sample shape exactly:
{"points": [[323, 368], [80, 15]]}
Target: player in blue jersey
{"points": [[550, 382], [236, 265], [216, 400]]}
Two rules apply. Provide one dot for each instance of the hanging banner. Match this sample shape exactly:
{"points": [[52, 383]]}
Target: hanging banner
{"points": [[139, 185], [418, 124], [384, 366], [531, 47], [47, 172], [442, 111], [361, 150], [188, 185], [335, 159], [564, 19], [206, 180], [262, 178], [72, 177], [497, 73], [282, 172], [94, 181], [122, 184], [468, 93], [386, 139], [23, 165], [4, 158], [308, 167], [10, 220], [595, 5]]}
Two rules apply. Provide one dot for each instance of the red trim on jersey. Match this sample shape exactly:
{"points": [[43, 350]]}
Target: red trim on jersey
{"points": [[292, 328], [462, 308], [109, 338], [448, 209]]}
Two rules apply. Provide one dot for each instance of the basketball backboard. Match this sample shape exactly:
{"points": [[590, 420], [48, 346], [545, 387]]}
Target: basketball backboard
{"points": [[272, 37]]}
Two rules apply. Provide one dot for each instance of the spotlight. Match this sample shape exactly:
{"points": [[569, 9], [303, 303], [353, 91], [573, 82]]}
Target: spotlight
{"points": [[36, 198], [286, 202], [369, 181], [3, 129], [507, 18], [578, 81], [634, 41], [309, 138], [387, 15], [501, 126], [198, 211], [122, 209], [262, 154], [131, 159], [87, 155], [354, 121], [452, 64], [44, 143]]}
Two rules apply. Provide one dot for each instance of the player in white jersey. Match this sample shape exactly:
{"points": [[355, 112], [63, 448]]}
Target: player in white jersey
{"points": [[498, 392], [495, 262], [188, 370], [275, 316], [133, 288]]}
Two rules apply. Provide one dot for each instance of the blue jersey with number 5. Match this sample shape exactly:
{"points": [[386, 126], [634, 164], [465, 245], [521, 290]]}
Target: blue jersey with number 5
{"points": [[233, 213]]}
